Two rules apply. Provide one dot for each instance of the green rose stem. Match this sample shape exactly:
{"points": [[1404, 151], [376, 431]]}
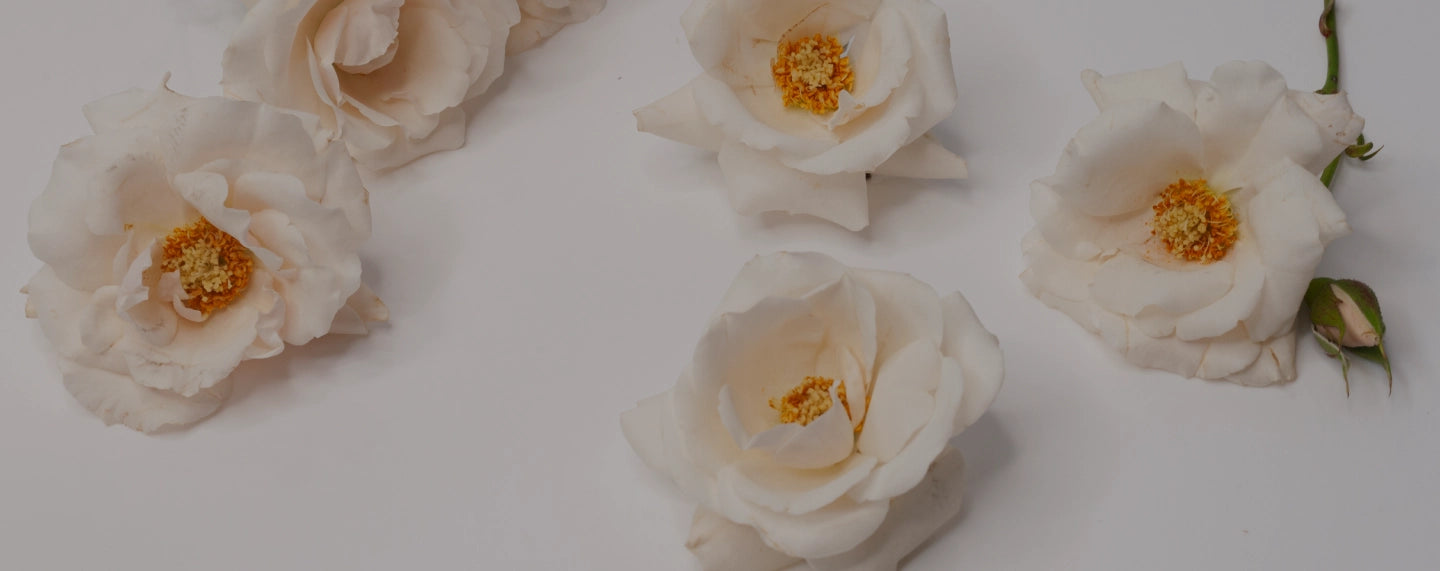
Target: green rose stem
{"points": [[1331, 317], [1361, 149]]}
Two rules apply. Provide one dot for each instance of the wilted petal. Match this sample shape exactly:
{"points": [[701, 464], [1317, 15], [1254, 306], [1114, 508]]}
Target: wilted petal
{"points": [[115, 398]]}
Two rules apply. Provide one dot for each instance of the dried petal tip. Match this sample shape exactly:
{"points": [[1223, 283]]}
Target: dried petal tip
{"points": [[1346, 317]]}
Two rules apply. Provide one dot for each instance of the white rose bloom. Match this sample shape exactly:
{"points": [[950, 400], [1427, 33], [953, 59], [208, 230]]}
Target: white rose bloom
{"points": [[1184, 223], [802, 98], [185, 236], [813, 422], [540, 19], [386, 76]]}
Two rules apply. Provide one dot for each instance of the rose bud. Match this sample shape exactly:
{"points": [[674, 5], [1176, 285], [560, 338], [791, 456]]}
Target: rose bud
{"points": [[1346, 317]]}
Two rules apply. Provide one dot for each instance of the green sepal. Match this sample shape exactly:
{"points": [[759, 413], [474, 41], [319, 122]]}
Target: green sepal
{"points": [[1376, 354], [1366, 300], [1323, 306], [1333, 350]]}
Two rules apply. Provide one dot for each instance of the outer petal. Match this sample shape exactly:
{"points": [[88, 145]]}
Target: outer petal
{"points": [[913, 518], [1121, 161], [1231, 107], [908, 467], [758, 183], [1276, 364], [903, 400], [977, 352], [115, 398], [1169, 85], [924, 158], [540, 19], [676, 117], [723, 545], [1292, 217], [784, 274]]}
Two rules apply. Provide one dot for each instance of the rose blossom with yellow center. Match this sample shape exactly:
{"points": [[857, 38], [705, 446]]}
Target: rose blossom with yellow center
{"points": [[214, 267], [1193, 222], [811, 73]]}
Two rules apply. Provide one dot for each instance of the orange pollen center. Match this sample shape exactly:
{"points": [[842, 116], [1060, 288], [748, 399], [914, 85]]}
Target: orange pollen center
{"points": [[1194, 223], [808, 400], [214, 267], [811, 73]]}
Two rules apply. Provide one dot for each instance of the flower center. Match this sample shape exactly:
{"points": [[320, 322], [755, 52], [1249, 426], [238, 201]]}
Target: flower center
{"points": [[1193, 222], [808, 400], [811, 73], [214, 267]]}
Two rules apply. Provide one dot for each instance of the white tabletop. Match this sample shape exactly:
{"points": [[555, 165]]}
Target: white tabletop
{"points": [[561, 266]]}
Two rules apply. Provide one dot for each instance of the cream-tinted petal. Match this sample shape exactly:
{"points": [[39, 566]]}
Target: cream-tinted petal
{"points": [[758, 183], [117, 399], [913, 518], [1169, 85], [977, 352], [1120, 162], [723, 545], [677, 118]]}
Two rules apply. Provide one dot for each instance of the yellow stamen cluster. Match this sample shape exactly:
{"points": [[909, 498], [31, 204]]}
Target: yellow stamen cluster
{"points": [[810, 73], [808, 400], [214, 267], [1193, 222]]}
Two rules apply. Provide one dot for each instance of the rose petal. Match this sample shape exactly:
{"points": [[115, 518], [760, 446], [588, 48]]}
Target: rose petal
{"points": [[903, 400], [913, 518], [1074, 234], [1276, 364], [758, 183], [1121, 161], [1290, 239], [793, 491], [908, 467], [924, 158], [116, 398], [1125, 284], [676, 117], [784, 274], [1169, 85], [1231, 107], [977, 352], [723, 545]]}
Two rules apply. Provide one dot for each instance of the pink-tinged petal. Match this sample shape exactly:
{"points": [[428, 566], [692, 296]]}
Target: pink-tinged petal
{"points": [[430, 68], [1120, 162], [386, 148], [924, 158], [723, 545], [908, 468], [977, 352], [262, 64], [362, 309], [1231, 107], [1291, 239], [1169, 85], [117, 399], [677, 118], [758, 183], [913, 518], [359, 36]]}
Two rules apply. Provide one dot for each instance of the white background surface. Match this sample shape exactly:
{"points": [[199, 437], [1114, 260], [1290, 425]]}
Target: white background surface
{"points": [[561, 266]]}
